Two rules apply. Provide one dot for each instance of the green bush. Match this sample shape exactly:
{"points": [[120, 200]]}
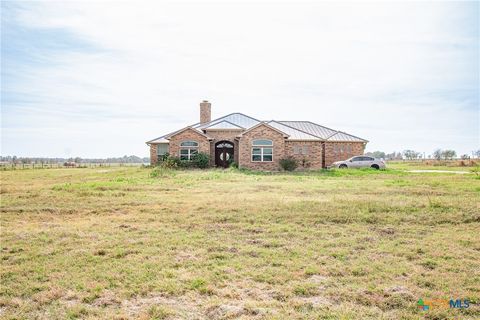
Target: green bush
{"points": [[187, 164], [201, 160], [169, 162], [288, 164]]}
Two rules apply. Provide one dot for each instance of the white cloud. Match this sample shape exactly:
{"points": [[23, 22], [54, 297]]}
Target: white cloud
{"points": [[392, 73]]}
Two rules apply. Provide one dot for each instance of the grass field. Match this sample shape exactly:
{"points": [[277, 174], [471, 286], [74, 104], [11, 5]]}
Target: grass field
{"points": [[121, 243]]}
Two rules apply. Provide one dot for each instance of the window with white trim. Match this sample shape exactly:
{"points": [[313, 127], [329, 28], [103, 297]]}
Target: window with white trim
{"points": [[188, 149], [262, 150]]}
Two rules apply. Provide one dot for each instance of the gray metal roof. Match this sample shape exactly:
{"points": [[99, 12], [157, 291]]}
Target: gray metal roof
{"points": [[294, 134], [342, 136], [224, 124], [238, 119], [312, 128], [322, 132], [296, 130]]}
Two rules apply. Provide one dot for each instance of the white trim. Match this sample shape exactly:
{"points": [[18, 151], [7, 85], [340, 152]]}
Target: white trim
{"points": [[261, 153], [189, 155], [189, 146], [262, 145]]}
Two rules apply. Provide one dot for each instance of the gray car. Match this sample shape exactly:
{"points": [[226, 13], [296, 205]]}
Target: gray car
{"points": [[360, 162]]}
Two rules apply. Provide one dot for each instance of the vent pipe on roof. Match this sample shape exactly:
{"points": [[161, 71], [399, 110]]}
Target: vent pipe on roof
{"points": [[205, 111]]}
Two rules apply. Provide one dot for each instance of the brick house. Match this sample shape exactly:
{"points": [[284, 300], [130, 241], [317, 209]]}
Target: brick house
{"points": [[256, 144]]}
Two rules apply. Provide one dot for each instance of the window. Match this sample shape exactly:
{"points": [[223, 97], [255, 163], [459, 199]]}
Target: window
{"points": [[357, 159], [189, 144], [188, 149], [162, 149], [262, 150], [187, 154], [262, 142]]}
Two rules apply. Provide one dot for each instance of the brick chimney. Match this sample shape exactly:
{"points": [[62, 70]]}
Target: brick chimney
{"points": [[205, 111]]}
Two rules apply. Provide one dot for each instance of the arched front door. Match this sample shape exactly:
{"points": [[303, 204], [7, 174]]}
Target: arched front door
{"points": [[223, 154]]}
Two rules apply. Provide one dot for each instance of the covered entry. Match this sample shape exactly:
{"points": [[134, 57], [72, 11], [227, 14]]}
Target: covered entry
{"points": [[223, 153]]}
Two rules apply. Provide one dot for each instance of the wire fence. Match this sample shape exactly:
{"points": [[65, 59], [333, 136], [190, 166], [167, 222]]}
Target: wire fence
{"points": [[27, 166]]}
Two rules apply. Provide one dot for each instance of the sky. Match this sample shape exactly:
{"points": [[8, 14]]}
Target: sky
{"points": [[100, 78]]}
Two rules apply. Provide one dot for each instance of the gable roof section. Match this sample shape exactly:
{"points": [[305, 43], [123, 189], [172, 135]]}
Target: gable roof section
{"points": [[185, 129], [293, 134], [224, 124], [238, 119], [264, 123]]}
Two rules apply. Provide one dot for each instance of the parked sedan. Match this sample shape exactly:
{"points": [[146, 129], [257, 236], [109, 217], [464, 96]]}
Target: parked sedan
{"points": [[360, 162]]}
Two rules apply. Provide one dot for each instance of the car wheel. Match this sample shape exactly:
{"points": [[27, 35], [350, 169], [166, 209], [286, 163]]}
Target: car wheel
{"points": [[375, 166], [343, 166]]}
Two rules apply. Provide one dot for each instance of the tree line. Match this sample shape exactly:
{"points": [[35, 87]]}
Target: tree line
{"points": [[77, 160], [437, 154]]}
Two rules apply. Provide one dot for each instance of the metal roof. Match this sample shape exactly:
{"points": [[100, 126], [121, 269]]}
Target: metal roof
{"points": [[296, 130], [322, 132], [224, 124], [238, 119], [342, 136], [312, 128], [294, 134]]}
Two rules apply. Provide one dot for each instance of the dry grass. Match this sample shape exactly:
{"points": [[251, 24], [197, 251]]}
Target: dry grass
{"points": [[125, 243]]}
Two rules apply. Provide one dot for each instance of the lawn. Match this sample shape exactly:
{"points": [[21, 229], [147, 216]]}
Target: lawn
{"points": [[141, 243]]}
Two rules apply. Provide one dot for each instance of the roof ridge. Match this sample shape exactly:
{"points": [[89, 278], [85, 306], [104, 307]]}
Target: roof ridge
{"points": [[223, 118], [214, 124], [265, 123], [298, 130]]}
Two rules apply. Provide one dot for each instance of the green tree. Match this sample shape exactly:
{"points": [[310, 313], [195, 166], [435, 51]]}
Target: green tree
{"points": [[448, 154], [437, 154]]}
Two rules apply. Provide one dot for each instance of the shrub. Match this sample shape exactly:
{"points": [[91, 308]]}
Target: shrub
{"points": [[201, 160], [170, 162], [288, 164], [187, 164]]}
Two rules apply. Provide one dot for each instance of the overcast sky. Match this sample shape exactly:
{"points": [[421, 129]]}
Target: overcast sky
{"points": [[99, 78]]}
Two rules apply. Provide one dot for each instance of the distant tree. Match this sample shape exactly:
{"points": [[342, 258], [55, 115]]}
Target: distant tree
{"points": [[376, 154], [411, 154], [77, 160], [476, 153], [437, 154], [448, 154], [465, 157]]}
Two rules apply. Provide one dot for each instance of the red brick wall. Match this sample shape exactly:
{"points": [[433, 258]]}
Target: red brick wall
{"points": [[153, 154], [313, 158], [245, 148], [189, 134]]}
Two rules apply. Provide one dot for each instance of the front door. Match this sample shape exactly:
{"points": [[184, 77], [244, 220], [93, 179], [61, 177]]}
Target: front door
{"points": [[223, 154]]}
